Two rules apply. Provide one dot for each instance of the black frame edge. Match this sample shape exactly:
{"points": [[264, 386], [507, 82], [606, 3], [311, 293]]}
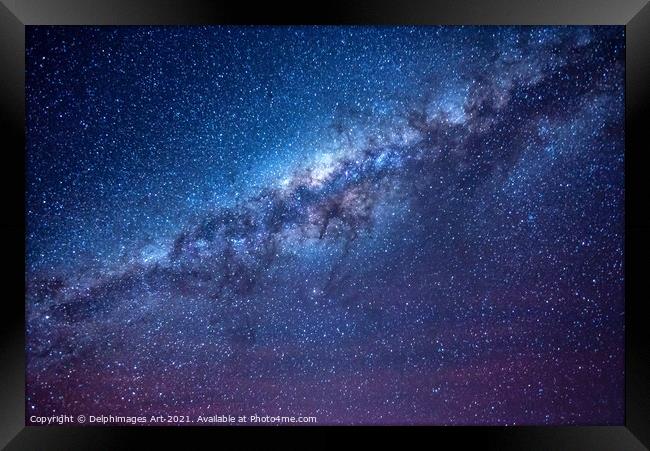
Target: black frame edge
{"points": [[637, 230]]}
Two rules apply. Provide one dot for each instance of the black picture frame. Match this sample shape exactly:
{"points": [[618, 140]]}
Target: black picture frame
{"points": [[634, 14]]}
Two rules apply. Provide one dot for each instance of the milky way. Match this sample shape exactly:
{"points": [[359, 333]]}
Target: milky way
{"points": [[369, 225]]}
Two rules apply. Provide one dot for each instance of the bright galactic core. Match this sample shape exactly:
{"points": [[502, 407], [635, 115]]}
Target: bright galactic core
{"points": [[367, 225]]}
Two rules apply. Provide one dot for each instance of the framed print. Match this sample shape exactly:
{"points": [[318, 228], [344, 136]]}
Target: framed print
{"points": [[379, 216]]}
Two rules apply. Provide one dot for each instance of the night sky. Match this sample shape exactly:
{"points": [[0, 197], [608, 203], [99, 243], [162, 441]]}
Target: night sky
{"points": [[369, 225]]}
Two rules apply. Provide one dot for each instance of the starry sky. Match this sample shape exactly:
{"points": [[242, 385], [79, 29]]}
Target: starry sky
{"points": [[369, 225]]}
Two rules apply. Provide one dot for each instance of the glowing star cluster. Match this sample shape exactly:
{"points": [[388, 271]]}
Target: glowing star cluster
{"points": [[407, 225]]}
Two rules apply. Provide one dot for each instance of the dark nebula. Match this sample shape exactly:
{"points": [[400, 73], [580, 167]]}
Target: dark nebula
{"points": [[369, 225]]}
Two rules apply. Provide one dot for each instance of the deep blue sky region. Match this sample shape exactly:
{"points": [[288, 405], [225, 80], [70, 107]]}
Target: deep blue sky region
{"points": [[368, 225]]}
